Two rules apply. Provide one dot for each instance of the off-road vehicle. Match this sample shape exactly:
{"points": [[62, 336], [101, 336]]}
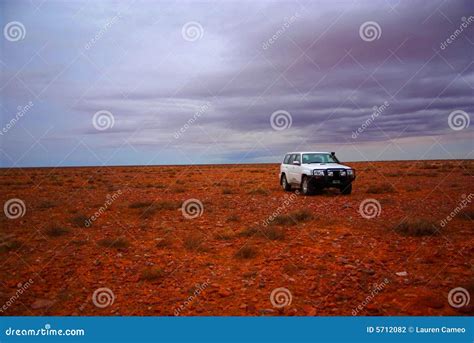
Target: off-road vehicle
{"points": [[313, 171]]}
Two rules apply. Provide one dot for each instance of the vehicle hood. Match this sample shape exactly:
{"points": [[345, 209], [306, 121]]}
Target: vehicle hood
{"points": [[325, 166]]}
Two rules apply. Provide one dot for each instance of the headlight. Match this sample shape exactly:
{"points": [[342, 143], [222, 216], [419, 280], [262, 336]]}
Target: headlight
{"points": [[350, 172], [342, 173], [318, 172]]}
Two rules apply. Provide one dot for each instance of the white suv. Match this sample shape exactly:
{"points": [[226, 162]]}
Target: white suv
{"points": [[313, 171]]}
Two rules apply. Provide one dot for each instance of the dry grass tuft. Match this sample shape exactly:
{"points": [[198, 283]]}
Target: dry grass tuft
{"points": [[416, 227], [381, 188], [246, 252]]}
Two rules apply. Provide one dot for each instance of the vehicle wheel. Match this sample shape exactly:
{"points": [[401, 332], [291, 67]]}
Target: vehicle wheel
{"points": [[306, 188], [347, 189], [284, 183]]}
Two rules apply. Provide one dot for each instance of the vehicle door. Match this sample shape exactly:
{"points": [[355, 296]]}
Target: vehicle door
{"points": [[296, 169]]}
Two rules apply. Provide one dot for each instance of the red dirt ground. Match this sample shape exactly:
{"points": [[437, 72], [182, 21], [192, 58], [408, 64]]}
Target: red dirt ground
{"points": [[330, 258]]}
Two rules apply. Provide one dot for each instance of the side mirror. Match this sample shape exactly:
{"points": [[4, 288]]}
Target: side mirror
{"points": [[296, 163]]}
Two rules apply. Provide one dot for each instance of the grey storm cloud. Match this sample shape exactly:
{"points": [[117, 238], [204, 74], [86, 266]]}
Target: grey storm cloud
{"points": [[249, 60]]}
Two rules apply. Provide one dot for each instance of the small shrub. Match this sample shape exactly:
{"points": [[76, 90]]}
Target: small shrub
{"points": [[193, 242], [79, 220], [416, 227], [233, 218], [381, 188], [56, 231], [118, 243], [140, 204], [248, 232], [246, 252], [467, 214], [46, 204], [227, 191], [224, 234], [178, 190], [259, 191], [164, 242], [302, 215], [274, 233], [151, 274], [293, 218], [8, 246]]}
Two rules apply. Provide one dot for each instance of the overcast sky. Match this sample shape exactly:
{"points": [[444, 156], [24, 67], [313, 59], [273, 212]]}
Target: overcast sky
{"points": [[181, 82]]}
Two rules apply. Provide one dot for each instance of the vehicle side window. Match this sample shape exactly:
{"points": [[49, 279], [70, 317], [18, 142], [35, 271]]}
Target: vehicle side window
{"points": [[290, 159], [287, 158], [297, 157]]}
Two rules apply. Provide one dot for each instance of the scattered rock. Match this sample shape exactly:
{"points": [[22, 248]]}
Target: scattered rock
{"points": [[402, 273], [42, 303]]}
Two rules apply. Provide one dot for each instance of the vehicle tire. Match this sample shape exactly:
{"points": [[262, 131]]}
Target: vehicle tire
{"points": [[306, 188], [284, 183], [347, 189]]}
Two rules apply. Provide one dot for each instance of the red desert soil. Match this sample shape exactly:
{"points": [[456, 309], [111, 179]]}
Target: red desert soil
{"points": [[226, 261]]}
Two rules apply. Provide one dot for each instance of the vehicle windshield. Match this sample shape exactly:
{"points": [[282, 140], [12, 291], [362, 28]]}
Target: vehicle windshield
{"points": [[319, 158]]}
